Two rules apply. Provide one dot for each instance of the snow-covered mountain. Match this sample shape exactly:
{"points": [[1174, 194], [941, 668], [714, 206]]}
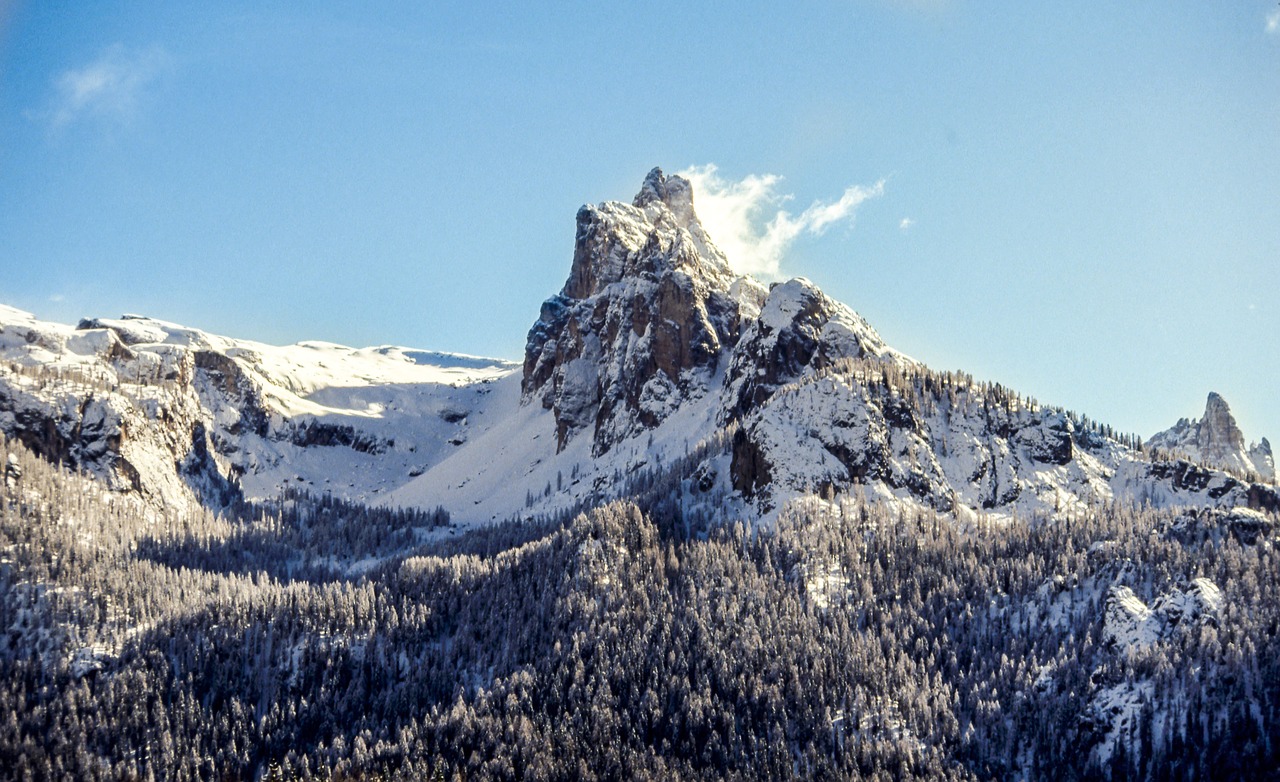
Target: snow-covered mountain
{"points": [[653, 350], [1141, 624], [169, 411], [655, 364], [1216, 440]]}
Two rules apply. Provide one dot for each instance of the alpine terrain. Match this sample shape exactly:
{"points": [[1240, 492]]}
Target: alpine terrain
{"points": [[706, 528]]}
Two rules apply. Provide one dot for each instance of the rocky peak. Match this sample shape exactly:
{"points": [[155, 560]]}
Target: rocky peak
{"points": [[1263, 460], [658, 232], [1216, 440], [1219, 436], [641, 321], [674, 192]]}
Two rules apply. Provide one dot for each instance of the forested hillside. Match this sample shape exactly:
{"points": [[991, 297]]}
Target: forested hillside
{"points": [[312, 638]]}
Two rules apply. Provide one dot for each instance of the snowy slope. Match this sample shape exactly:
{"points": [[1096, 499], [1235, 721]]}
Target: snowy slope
{"points": [[131, 398]]}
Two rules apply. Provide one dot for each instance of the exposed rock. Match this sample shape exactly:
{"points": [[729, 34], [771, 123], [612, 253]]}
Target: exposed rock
{"points": [[1216, 440], [1263, 460], [1197, 525], [641, 322], [1216, 487], [310, 433], [1219, 440], [1129, 622], [749, 470], [798, 328], [227, 377], [131, 330], [1049, 439], [180, 416]]}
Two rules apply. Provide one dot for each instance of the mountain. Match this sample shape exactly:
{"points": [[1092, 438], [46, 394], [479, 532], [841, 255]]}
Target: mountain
{"points": [[706, 529], [655, 362], [654, 350], [1217, 441], [179, 415]]}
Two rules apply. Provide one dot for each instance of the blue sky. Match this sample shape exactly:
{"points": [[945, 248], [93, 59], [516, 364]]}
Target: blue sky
{"points": [[1079, 201]]}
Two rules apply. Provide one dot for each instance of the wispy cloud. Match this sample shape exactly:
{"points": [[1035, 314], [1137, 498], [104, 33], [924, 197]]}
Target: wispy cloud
{"points": [[108, 89], [745, 219], [1273, 22], [905, 224]]}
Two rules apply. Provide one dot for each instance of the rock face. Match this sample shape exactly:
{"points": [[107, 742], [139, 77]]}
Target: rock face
{"points": [[1219, 438], [798, 328], [1263, 460], [154, 444], [1216, 440], [651, 313], [642, 322]]}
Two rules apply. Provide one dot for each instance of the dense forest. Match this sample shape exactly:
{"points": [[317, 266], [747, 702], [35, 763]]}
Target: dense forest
{"points": [[313, 638]]}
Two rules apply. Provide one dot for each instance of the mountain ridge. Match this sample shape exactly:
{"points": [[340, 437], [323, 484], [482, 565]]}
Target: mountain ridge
{"points": [[653, 350]]}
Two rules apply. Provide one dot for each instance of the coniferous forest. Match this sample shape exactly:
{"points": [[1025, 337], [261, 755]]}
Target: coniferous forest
{"points": [[311, 638]]}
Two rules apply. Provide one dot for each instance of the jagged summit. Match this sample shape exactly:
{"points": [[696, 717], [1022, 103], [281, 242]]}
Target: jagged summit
{"points": [[675, 194], [653, 363], [641, 321], [659, 231], [1219, 435], [674, 191], [652, 315], [1216, 439]]}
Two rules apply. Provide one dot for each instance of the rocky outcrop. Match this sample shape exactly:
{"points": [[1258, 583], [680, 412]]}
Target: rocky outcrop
{"points": [[651, 310], [641, 323], [1216, 440], [246, 412], [84, 433], [935, 438], [1219, 437], [1179, 482], [1130, 623], [310, 433], [798, 329], [154, 444], [1194, 526], [1263, 460]]}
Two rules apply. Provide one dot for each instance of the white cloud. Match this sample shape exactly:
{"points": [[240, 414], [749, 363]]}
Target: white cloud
{"points": [[1273, 22], [906, 223], [745, 220], [108, 89]]}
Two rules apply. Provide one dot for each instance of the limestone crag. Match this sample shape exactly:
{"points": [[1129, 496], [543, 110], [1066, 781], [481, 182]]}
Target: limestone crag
{"points": [[641, 323], [1216, 440], [145, 437], [798, 328]]}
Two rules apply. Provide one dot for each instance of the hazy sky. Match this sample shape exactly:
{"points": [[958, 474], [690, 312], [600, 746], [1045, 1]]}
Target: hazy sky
{"points": [[1081, 201]]}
